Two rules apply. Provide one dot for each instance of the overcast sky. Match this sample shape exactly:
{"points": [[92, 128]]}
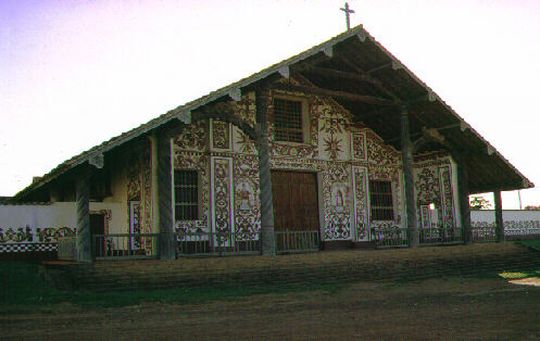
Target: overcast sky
{"points": [[76, 73]]}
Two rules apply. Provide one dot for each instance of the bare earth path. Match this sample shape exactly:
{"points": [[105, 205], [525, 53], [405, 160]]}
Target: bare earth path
{"points": [[451, 308]]}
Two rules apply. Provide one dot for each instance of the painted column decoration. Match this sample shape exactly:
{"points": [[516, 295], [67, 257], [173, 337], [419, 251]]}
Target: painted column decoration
{"points": [[447, 198], [361, 207], [222, 199]]}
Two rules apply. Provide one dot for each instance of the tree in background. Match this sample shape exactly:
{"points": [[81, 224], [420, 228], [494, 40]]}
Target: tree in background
{"points": [[479, 203], [532, 208]]}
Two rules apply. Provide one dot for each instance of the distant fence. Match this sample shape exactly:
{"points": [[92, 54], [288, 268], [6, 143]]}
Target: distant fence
{"points": [[513, 230]]}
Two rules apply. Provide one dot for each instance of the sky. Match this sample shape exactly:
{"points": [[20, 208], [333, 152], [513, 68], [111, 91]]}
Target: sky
{"points": [[76, 73]]}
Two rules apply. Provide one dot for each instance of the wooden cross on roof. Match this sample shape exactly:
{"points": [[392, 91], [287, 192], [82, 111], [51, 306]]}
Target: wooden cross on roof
{"points": [[348, 12]]}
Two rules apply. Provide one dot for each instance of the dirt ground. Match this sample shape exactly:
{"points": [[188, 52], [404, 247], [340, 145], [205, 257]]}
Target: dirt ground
{"points": [[451, 308]]}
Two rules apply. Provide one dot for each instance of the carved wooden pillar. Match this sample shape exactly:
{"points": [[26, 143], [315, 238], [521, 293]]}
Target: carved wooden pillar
{"points": [[268, 246], [407, 158], [463, 194], [167, 237], [499, 223], [82, 197]]}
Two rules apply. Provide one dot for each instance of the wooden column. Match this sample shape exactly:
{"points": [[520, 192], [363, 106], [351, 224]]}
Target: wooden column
{"points": [[82, 197], [463, 194], [155, 201], [499, 223], [268, 246], [167, 237], [407, 158]]}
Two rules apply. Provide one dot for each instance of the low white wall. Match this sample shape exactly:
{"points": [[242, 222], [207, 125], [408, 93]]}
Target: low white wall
{"points": [[488, 216], [58, 214]]}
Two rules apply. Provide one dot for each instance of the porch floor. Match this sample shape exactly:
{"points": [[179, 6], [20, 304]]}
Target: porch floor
{"points": [[322, 267]]}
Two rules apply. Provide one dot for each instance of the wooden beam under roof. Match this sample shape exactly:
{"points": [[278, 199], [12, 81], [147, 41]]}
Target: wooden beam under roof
{"points": [[335, 93], [356, 76]]}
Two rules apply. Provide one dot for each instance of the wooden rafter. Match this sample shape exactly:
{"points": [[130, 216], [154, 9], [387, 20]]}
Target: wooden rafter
{"points": [[335, 93], [369, 78]]}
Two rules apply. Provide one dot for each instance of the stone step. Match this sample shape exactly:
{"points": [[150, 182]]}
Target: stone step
{"points": [[253, 271]]}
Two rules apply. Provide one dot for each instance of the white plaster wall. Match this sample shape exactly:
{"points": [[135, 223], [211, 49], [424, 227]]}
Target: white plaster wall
{"points": [[508, 215], [58, 214]]}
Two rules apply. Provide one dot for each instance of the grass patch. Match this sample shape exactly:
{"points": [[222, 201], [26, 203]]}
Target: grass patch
{"points": [[534, 243], [23, 290], [520, 274]]}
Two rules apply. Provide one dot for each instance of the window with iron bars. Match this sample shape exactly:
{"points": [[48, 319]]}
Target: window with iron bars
{"points": [[186, 195], [288, 125], [381, 201]]}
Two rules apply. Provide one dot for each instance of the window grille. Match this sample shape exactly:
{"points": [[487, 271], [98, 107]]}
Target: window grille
{"points": [[382, 204], [186, 195], [288, 121]]}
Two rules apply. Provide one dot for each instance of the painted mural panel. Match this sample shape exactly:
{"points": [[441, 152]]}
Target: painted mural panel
{"points": [[221, 135], [434, 191], [222, 198], [337, 201], [246, 197], [361, 203], [189, 150]]}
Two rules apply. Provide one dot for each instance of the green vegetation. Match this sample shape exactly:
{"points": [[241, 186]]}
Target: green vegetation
{"points": [[22, 289], [535, 243], [520, 274]]}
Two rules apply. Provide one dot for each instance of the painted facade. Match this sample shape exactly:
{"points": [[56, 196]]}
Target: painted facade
{"points": [[344, 154]]}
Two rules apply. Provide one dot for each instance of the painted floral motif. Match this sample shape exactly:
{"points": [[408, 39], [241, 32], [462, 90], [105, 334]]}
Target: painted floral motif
{"points": [[294, 150], [337, 220], [245, 143], [245, 108], [427, 187], [194, 137], [447, 197], [361, 203], [246, 197], [39, 235], [197, 160], [16, 235], [359, 145], [51, 234], [222, 195], [332, 146], [221, 138], [379, 153]]}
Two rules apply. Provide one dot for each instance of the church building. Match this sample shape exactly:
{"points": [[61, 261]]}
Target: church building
{"points": [[340, 146]]}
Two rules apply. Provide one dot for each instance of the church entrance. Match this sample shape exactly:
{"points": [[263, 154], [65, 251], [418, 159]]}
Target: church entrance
{"points": [[296, 210]]}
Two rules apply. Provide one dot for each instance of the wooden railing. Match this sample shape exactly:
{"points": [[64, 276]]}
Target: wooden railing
{"points": [[125, 245], [291, 241], [217, 243], [389, 236], [440, 235]]}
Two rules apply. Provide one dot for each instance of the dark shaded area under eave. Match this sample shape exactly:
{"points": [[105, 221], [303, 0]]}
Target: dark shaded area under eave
{"points": [[486, 172]]}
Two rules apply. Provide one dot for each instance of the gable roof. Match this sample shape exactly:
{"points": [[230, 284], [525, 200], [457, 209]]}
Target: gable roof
{"points": [[343, 56]]}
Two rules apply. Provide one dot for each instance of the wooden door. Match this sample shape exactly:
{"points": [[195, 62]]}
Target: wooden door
{"points": [[97, 234], [295, 201]]}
